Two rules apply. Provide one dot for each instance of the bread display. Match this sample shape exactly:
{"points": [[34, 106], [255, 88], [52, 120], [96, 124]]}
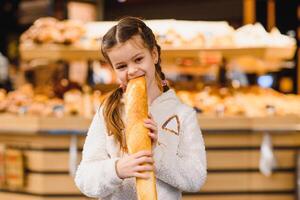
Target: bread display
{"points": [[178, 34], [204, 34], [211, 100], [24, 101], [251, 102], [51, 30], [137, 138]]}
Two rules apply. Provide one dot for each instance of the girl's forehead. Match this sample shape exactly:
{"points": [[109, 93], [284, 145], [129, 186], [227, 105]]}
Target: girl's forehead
{"points": [[134, 42], [127, 49]]}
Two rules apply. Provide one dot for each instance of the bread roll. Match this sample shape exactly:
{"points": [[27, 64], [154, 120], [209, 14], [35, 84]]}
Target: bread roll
{"points": [[137, 138]]}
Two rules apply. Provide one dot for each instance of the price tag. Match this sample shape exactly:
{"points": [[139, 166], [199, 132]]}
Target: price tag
{"points": [[2, 165], [14, 168]]}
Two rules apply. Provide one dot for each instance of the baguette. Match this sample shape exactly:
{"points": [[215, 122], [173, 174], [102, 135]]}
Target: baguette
{"points": [[137, 138]]}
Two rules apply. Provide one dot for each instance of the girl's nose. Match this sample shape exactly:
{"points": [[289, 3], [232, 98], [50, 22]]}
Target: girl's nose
{"points": [[134, 72]]}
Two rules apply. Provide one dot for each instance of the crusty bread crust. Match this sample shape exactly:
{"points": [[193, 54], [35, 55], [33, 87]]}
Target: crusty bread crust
{"points": [[137, 138]]}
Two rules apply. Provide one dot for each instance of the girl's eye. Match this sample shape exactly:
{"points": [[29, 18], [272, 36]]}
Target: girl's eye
{"points": [[139, 59], [121, 67]]}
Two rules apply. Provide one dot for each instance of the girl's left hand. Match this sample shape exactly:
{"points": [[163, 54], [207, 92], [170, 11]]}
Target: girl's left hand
{"points": [[152, 126]]}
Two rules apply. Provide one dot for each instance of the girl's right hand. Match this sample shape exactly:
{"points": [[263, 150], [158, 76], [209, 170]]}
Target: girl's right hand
{"points": [[133, 165]]}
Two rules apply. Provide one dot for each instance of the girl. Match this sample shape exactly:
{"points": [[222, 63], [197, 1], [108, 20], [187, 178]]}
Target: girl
{"points": [[178, 155]]}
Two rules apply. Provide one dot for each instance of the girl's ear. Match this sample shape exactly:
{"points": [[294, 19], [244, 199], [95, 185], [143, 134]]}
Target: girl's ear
{"points": [[155, 55]]}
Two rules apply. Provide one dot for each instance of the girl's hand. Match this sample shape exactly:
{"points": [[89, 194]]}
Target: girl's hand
{"points": [[133, 165], [152, 126]]}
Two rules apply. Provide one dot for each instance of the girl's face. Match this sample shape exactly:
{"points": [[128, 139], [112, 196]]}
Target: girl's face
{"points": [[132, 59]]}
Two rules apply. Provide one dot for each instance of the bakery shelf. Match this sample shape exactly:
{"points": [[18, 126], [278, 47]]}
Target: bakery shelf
{"points": [[73, 52], [79, 125], [58, 52], [280, 53], [241, 123], [27, 124], [190, 70]]}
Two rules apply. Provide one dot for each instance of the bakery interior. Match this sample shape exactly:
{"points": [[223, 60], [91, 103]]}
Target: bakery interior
{"points": [[236, 62]]}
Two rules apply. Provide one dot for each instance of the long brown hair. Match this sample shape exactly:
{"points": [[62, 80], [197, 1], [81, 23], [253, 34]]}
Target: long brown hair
{"points": [[120, 33]]}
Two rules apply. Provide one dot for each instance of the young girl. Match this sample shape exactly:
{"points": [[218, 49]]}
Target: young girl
{"points": [[178, 155]]}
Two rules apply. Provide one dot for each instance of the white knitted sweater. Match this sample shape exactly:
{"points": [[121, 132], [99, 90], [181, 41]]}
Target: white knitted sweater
{"points": [[180, 159]]}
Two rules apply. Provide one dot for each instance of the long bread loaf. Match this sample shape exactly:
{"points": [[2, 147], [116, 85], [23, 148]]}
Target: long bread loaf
{"points": [[137, 138]]}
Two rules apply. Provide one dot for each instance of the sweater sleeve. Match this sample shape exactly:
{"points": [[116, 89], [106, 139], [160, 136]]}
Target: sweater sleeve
{"points": [[96, 175], [183, 167]]}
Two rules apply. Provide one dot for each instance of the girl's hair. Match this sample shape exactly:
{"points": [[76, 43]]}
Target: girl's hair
{"points": [[118, 34]]}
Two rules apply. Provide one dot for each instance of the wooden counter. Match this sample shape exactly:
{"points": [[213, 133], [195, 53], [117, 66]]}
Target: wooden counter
{"points": [[233, 153]]}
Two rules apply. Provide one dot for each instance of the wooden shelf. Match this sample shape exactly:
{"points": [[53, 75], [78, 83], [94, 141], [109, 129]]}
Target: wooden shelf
{"points": [[79, 125], [280, 53], [69, 53], [238, 123], [36, 124], [56, 52], [190, 70]]}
